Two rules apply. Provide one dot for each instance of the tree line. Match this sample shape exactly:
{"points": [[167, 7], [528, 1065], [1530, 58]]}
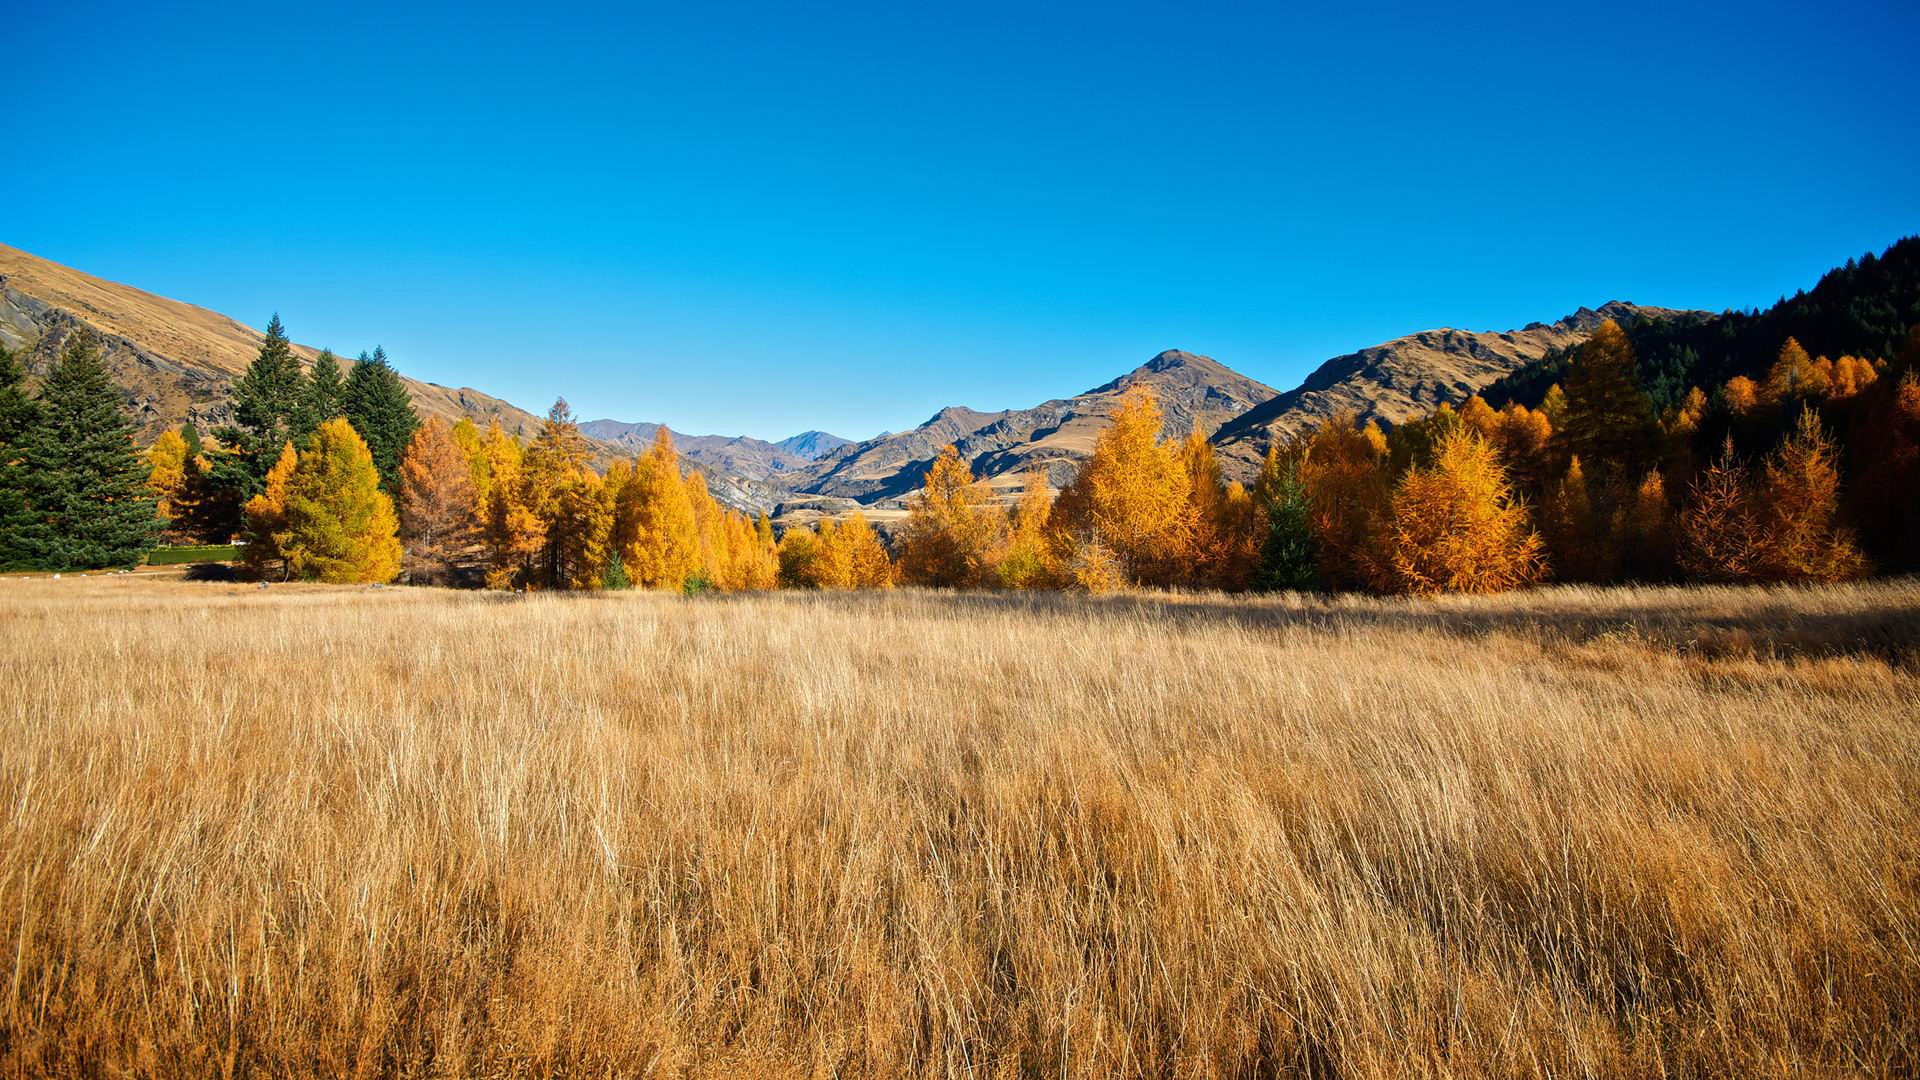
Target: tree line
{"points": [[1810, 473]]}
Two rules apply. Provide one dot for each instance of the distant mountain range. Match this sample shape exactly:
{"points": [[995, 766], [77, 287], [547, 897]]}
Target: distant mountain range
{"points": [[176, 362]]}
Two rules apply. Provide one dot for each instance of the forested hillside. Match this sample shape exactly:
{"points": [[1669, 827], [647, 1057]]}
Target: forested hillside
{"points": [[1864, 308]]}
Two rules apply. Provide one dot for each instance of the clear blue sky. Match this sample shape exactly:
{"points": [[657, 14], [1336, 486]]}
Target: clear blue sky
{"points": [[757, 218]]}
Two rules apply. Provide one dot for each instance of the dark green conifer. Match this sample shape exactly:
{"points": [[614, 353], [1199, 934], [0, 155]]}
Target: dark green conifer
{"points": [[87, 498], [17, 413], [326, 393], [269, 407], [376, 402]]}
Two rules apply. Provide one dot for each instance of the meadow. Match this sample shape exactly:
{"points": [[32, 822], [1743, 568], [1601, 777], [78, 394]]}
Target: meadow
{"points": [[334, 831]]}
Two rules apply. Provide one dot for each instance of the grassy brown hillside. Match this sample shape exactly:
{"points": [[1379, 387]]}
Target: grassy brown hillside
{"points": [[322, 831], [174, 360], [1409, 376]]}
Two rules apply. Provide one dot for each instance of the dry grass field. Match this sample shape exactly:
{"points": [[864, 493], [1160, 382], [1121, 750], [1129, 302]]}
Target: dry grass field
{"points": [[317, 831]]}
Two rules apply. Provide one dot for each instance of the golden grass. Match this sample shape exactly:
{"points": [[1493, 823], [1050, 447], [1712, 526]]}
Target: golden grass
{"points": [[341, 832]]}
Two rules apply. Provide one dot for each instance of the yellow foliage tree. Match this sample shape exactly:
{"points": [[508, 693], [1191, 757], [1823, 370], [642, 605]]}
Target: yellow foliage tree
{"points": [[1024, 560], [1132, 499], [850, 556], [655, 529], [579, 530], [168, 469], [799, 558], [340, 526], [1346, 486], [1456, 527], [512, 533], [951, 530], [265, 521], [1221, 546], [1579, 543]]}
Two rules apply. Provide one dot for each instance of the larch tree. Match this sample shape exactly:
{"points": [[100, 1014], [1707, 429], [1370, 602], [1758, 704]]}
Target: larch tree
{"points": [[472, 444], [1647, 531], [381, 410], [1720, 537], [552, 462], [1132, 497], [265, 521], [439, 521], [1023, 560], [580, 531], [340, 527], [1344, 475], [1579, 541], [655, 529], [1609, 421], [1799, 502], [1219, 551], [855, 544], [951, 531], [88, 504], [799, 557], [1456, 526], [167, 463], [512, 534]]}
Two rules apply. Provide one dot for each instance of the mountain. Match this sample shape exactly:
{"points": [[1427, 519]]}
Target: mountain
{"points": [[811, 445], [1408, 376], [174, 361], [1194, 392], [741, 456]]}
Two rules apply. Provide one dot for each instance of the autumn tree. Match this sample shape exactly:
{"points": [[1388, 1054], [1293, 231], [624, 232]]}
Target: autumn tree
{"points": [[438, 519], [654, 525], [951, 531], [1221, 550], [1344, 477], [1132, 498], [1720, 537], [1646, 531], [579, 531], [265, 522], [512, 535], [1577, 533], [799, 558], [1609, 422], [1799, 501], [340, 526], [168, 462], [1024, 558], [850, 556], [1455, 526]]}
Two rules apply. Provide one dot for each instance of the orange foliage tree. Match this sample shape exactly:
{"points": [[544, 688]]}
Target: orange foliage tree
{"points": [[951, 531], [655, 529], [438, 518], [265, 521], [1799, 500], [1455, 526], [1344, 477], [1719, 536], [1131, 500]]}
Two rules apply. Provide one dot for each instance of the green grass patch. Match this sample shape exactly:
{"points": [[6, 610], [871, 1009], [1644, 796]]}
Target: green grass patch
{"points": [[174, 556]]}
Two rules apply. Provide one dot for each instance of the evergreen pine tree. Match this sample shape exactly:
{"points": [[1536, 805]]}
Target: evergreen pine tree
{"points": [[1288, 555], [268, 412], [17, 413], [86, 490], [376, 402], [326, 392]]}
